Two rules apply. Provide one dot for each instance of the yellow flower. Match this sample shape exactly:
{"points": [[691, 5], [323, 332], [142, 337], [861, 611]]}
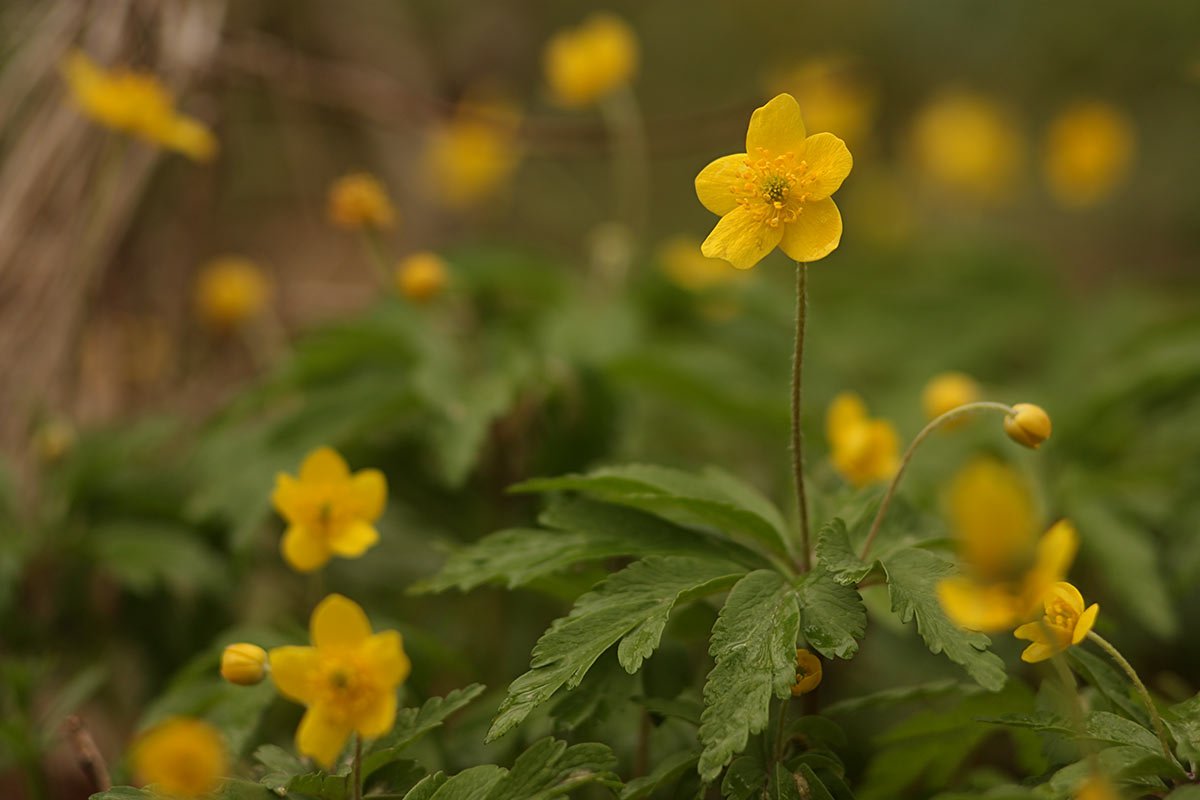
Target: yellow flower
{"points": [[244, 664], [777, 192], [992, 517], [946, 392], [421, 277], [359, 201], [1096, 788], [135, 103], [1088, 151], [968, 144], [833, 95], [473, 154], [1066, 622], [53, 439], [181, 758], [690, 269], [1028, 425], [347, 679], [808, 672], [989, 606], [329, 511], [230, 291], [863, 450], [586, 63]]}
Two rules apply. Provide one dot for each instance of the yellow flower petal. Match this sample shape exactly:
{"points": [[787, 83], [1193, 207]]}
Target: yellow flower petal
{"points": [[1032, 631], [292, 670], [1037, 652], [1084, 626], [829, 162], [816, 232], [715, 183], [384, 653], [321, 735], [338, 622], [1056, 549], [368, 493], [1066, 593], [777, 127], [845, 411], [741, 239], [288, 497], [323, 465], [379, 719], [975, 606], [303, 549], [353, 539]]}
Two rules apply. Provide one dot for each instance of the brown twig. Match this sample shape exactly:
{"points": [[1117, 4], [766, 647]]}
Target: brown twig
{"points": [[90, 760]]}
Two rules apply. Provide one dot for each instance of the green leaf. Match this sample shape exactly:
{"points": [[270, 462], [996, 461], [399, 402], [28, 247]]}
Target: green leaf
{"points": [[1185, 793], [470, 784], [145, 556], [809, 786], [424, 790], [320, 785], [832, 616], [1183, 719], [745, 779], [1099, 726], [754, 645], [412, 723], [668, 771], [837, 555], [550, 769], [1134, 765], [631, 606], [1112, 684], [123, 793], [786, 786], [606, 687], [913, 575], [890, 698], [712, 499], [235, 789]]}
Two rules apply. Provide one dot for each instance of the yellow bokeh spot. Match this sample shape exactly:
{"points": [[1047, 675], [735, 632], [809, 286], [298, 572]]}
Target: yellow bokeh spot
{"points": [[359, 201], [969, 145], [231, 291], [422, 277], [472, 155], [1088, 153], [863, 450], [181, 758], [833, 94], [585, 63], [993, 518]]}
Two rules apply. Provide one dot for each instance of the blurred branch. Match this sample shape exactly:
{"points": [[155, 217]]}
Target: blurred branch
{"points": [[90, 759]]}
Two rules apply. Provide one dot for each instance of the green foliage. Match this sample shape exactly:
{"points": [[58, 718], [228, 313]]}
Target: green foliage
{"points": [[832, 616], [413, 723]]}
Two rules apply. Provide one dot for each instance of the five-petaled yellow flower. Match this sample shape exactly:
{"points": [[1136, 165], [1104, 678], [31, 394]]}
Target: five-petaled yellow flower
{"points": [[863, 450], [359, 201], [181, 758], [231, 291], [347, 679], [777, 192], [136, 103], [808, 672], [329, 511], [1065, 623], [586, 63]]}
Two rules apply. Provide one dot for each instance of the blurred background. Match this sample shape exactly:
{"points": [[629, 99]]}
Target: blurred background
{"points": [[1022, 207]]}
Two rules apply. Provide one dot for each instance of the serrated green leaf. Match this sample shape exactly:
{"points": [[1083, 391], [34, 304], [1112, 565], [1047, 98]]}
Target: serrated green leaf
{"points": [[631, 606], [235, 789], [1134, 765], [913, 575], [1099, 726], [470, 784], [606, 687], [550, 769], [668, 771], [320, 786], [1183, 719], [1107, 680], [832, 616], [754, 645], [426, 787], [837, 556], [412, 723]]}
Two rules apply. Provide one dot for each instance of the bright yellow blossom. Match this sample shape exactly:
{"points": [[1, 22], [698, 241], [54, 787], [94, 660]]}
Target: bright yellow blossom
{"points": [[946, 392], [329, 511], [1065, 623], [181, 758], [347, 679], [997, 605], [968, 144], [230, 291], [1088, 151], [690, 269], [473, 154], [135, 103], [833, 95], [1028, 425], [808, 672], [421, 277], [777, 192], [993, 518], [359, 201], [585, 63], [863, 450], [244, 664]]}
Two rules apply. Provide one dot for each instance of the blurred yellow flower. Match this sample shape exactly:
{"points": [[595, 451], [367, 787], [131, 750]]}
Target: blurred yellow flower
{"points": [[995, 605], [135, 103], [53, 439], [329, 511], [421, 277], [1088, 152], [1028, 425], [777, 192], [359, 201], [244, 664], [1096, 788], [808, 672], [181, 758], [946, 392], [585, 63], [473, 154], [1065, 623], [231, 291], [968, 144], [688, 268], [347, 679], [863, 450], [833, 95], [993, 518]]}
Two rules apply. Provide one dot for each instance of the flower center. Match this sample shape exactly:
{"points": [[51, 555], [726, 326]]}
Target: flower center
{"points": [[344, 689], [772, 188]]}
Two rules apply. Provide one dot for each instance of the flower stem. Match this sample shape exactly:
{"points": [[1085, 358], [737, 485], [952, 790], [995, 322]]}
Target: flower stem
{"points": [[356, 768], [780, 729], [797, 397], [631, 170], [377, 256], [936, 423], [1160, 729]]}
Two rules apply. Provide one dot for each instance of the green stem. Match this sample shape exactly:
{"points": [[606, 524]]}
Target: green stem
{"points": [[356, 769], [797, 398], [631, 157], [378, 257], [936, 423], [781, 727], [1160, 730]]}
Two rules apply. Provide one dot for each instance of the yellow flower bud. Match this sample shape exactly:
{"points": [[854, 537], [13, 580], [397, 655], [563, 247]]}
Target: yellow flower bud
{"points": [[421, 277], [244, 664], [359, 201], [1028, 425], [230, 291], [948, 391], [808, 672]]}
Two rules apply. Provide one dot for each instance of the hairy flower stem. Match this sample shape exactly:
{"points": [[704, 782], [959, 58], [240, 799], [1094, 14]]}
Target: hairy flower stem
{"points": [[936, 423], [356, 768], [1160, 729], [797, 397]]}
